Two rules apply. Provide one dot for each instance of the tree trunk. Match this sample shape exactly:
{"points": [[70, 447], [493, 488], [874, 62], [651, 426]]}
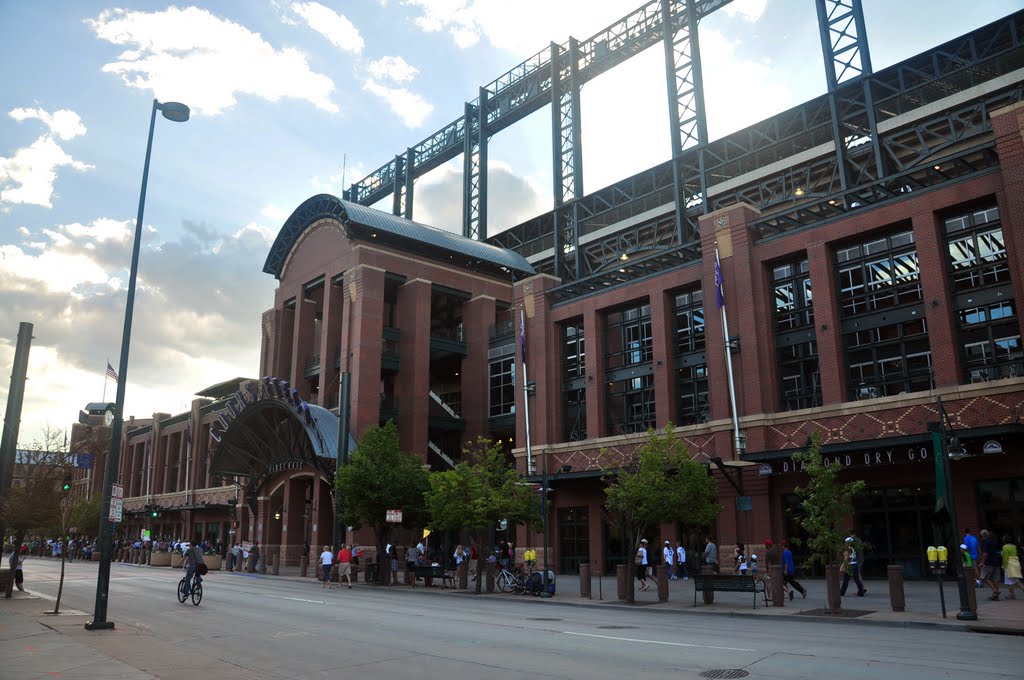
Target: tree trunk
{"points": [[481, 561]]}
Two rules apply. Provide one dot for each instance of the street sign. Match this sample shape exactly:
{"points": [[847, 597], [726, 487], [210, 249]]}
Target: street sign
{"points": [[394, 516], [116, 491], [116, 509]]}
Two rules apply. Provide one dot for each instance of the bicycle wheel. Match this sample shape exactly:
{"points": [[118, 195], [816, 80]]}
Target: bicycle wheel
{"points": [[197, 594], [505, 584], [181, 591]]}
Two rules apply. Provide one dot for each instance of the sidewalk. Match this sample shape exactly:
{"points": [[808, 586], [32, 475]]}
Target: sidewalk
{"points": [[923, 606], [34, 644]]}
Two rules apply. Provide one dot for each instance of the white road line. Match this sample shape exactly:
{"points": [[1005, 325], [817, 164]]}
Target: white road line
{"points": [[657, 642], [293, 599]]}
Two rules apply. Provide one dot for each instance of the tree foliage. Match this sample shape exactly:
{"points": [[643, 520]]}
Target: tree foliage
{"points": [[380, 477], [85, 514], [478, 494], [827, 503], [662, 484]]}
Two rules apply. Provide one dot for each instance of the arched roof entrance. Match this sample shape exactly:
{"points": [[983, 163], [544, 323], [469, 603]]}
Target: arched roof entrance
{"points": [[265, 428]]}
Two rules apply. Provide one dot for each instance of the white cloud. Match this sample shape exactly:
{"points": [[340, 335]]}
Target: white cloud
{"points": [[748, 10], [336, 183], [335, 27], [197, 300], [272, 212], [409, 106], [393, 68], [29, 175], [193, 56], [63, 123]]}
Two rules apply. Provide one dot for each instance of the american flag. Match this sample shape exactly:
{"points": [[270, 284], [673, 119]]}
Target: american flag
{"points": [[111, 373]]}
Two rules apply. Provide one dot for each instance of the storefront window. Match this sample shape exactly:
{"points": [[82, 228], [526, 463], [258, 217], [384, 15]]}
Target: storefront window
{"points": [[896, 525], [1001, 507], [573, 539]]}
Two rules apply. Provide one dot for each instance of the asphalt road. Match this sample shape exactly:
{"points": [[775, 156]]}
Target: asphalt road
{"points": [[294, 629]]}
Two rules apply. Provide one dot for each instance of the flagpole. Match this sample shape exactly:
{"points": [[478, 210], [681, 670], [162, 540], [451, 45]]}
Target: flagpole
{"points": [[105, 376], [720, 294], [526, 392]]}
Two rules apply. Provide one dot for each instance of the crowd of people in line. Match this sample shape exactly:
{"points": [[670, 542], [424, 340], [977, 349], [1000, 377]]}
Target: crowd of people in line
{"points": [[983, 559]]}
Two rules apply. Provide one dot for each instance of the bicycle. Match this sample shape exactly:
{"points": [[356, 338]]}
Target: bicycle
{"points": [[197, 592], [510, 581]]}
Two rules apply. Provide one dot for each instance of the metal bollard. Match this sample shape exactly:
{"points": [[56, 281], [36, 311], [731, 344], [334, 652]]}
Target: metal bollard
{"points": [[620, 581], [662, 576], [464, 575], [490, 577], [709, 595], [897, 596], [275, 564], [303, 566], [585, 587]]}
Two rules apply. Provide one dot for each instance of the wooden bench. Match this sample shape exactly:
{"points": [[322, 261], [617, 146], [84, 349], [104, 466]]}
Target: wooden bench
{"points": [[428, 573], [728, 583]]}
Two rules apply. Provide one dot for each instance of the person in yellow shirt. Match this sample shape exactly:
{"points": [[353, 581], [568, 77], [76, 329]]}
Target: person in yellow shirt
{"points": [[1011, 567]]}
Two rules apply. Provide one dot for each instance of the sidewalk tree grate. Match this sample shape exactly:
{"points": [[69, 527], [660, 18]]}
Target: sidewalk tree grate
{"points": [[725, 673]]}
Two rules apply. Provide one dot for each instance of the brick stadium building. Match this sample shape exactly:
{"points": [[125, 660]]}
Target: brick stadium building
{"points": [[870, 245]]}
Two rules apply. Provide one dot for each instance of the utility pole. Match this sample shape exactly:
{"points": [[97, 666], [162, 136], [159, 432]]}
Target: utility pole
{"points": [[12, 420]]}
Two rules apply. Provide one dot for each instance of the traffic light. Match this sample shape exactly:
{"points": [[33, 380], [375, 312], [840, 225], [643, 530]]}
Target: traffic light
{"points": [[67, 485], [154, 513]]}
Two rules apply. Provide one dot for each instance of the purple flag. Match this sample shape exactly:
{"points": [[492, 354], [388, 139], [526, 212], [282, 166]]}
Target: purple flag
{"points": [[719, 291]]}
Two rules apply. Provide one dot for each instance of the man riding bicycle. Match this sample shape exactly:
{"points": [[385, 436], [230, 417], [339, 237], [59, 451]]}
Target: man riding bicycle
{"points": [[193, 558]]}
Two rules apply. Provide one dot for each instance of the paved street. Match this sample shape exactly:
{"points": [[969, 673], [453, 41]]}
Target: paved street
{"points": [[261, 626]]}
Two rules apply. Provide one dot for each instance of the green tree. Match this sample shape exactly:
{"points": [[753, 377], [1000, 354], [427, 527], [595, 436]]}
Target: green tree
{"points": [[85, 514], [662, 484], [478, 494], [827, 503], [380, 477]]}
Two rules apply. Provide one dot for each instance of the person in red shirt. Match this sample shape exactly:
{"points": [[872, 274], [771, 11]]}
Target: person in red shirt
{"points": [[345, 564]]}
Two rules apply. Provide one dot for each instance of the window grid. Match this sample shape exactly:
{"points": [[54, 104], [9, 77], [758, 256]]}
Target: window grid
{"points": [[989, 332], [628, 336], [797, 364], [574, 367], [630, 404], [878, 274], [502, 380]]}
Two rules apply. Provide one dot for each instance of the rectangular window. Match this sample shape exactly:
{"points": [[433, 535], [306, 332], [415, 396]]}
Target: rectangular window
{"points": [[574, 393], [989, 332], [891, 359], [628, 336], [878, 275], [689, 313], [502, 387], [692, 394], [630, 404], [796, 354]]}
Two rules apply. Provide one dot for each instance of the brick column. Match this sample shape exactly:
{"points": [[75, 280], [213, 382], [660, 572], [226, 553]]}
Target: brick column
{"points": [[662, 322], [412, 384], [362, 331], [831, 362], [932, 257], [303, 343], [1008, 124], [284, 339], [330, 341], [593, 346], [718, 376], [477, 319]]}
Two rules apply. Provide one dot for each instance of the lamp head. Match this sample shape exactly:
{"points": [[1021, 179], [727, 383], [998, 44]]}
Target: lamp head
{"points": [[174, 111]]}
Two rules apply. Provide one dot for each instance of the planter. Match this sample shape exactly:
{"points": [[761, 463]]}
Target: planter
{"points": [[177, 560], [160, 559], [213, 562]]}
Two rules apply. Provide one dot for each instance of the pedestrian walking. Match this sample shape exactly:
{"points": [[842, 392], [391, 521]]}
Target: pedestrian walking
{"points": [[789, 572], [990, 559], [711, 554], [19, 571], [641, 564], [851, 566], [681, 561], [670, 560], [971, 541], [345, 565], [326, 560], [1011, 567], [739, 559]]}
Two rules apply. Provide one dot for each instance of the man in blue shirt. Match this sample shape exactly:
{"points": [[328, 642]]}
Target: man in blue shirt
{"points": [[789, 570], [972, 549]]}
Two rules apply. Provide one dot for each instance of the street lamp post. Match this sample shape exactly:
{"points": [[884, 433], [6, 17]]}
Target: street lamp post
{"points": [[947, 500], [177, 113]]}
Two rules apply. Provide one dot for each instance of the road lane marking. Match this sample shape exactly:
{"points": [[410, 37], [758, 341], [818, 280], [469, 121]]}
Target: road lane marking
{"points": [[293, 599], [657, 642]]}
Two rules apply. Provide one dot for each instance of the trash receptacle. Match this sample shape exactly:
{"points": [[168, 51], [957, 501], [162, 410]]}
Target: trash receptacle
{"points": [[371, 572]]}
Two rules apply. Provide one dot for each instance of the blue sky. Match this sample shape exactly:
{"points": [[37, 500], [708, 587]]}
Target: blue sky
{"points": [[286, 96]]}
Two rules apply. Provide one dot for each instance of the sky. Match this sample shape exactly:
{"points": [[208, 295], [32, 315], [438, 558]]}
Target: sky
{"points": [[291, 99]]}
